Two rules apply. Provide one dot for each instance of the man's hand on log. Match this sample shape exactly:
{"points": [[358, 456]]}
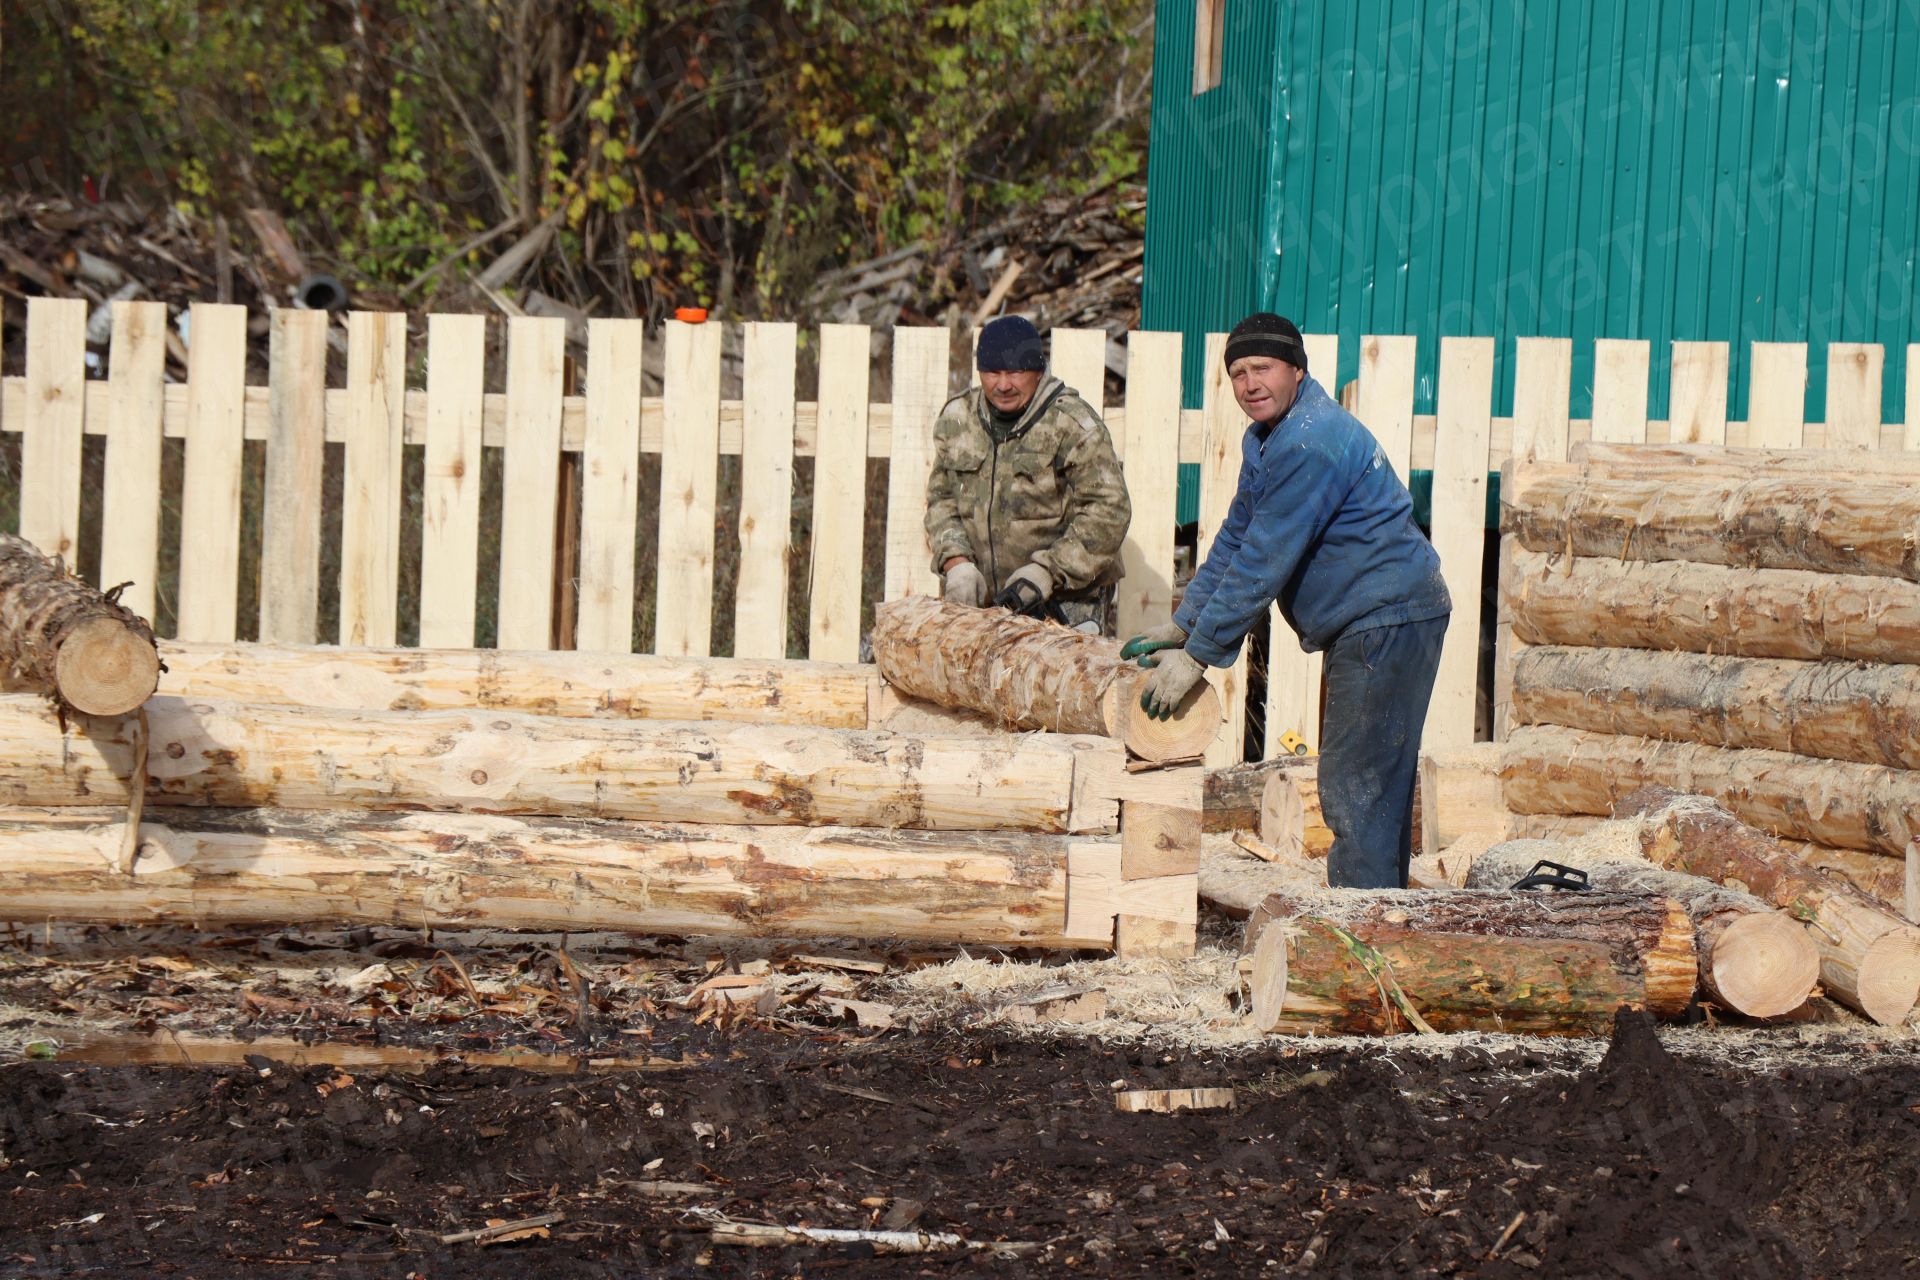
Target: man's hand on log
{"points": [[964, 584], [1168, 635], [1173, 678], [1026, 590]]}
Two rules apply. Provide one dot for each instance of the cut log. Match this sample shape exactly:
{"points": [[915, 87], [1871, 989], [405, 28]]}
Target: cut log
{"points": [[1826, 523], [1366, 962], [235, 754], [824, 695], [1753, 959], [217, 868], [895, 712], [1460, 796], [1028, 674], [1868, 713], [1233, 794], [1714, 459], [64, 640], [1912, 895], [1869, 955], [1702, 608], [1548, 769], [1290, 817]]}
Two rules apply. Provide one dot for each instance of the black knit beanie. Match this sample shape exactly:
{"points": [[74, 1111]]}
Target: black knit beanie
{"points": [[1266, 334], [1011, 343]]}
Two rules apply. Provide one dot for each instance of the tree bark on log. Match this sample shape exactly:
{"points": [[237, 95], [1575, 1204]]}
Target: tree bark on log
{"points": [[1341, 962], [1823, 523], [1029, 674], [1868, 713], [1549, 769], [64, 640], [1719, 460], [825, 695], [234, 755], [1290, 818], [1753, 959], [1702, 608], [1869, 955], [1233, 795], [218, 868]]}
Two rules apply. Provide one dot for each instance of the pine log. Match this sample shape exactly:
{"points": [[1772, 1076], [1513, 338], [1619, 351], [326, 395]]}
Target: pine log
{"points": [[1869, 955], [1702, 608], [1826, 523], [64, 640], [1290, 818], [1868, 713], [217, 868], [1753, 959], [236, 754], [1233, 794], [1549, 769], [1877, 876], [1714, 459], [1339, 962], [1910, 897], [1029, 674], [824, 695], [1460, 796]]}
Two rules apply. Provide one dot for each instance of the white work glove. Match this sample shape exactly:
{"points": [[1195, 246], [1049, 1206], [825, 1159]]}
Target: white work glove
{"points": [[966, 585], [1168, 635], [1174, 675], [1025, 590]]}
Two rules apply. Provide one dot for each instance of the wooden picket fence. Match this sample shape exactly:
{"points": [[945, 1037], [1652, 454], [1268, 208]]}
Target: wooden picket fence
{"points": [[376, 415]]}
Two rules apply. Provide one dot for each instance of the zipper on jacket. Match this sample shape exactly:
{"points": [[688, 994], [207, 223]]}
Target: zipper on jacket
{"points": [[993, 500]]}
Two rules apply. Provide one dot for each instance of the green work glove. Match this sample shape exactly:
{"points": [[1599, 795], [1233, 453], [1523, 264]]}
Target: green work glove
{"points": [[1173, 678], [1168, 635]]}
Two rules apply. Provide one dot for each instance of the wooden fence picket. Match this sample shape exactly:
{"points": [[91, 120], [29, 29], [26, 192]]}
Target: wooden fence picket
{"points": [[1460, 530], [1386, 397], [1854, 370], [210, 486], [610, 485], [920, 360], [450, 495], [839, 494], [689, 482], [766, 491], [50, 452], [1219, 476], [1079, 358], [1150, 460], [530, 480], [1697, 400], [1542, 379], [130, 503], [1777, 396], [370, 496], [1620, 369]]}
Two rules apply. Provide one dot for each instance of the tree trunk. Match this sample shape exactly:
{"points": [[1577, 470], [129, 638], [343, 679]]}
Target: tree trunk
{"points": [[1290, 817], [1825, 523], [234, 755], [1703, 608], [1868, 713], [1869, 955], [215, 868], [825, 695], [1548, 769], [1338, 962], [1028, 674], [1233, 795], [1460, 796], [1753, 959], [1719, 460], [62, 639]]}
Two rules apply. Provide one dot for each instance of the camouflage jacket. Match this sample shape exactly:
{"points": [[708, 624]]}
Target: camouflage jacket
{"points": [[1051, 493]]}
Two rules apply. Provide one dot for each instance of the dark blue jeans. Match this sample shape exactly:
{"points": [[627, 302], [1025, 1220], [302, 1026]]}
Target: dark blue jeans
{"points": [[1378, 684]]}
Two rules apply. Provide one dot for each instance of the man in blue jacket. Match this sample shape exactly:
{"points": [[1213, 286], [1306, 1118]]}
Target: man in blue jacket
{"points": [[1320, 523]]}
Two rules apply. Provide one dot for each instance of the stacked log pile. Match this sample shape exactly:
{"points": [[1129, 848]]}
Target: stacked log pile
{"points": [[1739, 624], [545, 791]]}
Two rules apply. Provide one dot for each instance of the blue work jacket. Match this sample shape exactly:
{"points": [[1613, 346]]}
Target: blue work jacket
{"points": [[1320, 523]]}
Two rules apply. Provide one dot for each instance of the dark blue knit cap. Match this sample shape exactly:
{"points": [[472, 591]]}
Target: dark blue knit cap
{"points": [[1011, 343]]}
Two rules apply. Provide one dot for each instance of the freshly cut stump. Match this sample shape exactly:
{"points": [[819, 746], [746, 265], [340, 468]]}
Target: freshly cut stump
{"points": [[1290, 818], [1365, 962], [1869, 954], [1029, 674], [1754, 959], [61, 638]]}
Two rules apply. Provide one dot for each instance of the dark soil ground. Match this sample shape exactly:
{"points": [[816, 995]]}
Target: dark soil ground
{"points": [[1486, 1162]]}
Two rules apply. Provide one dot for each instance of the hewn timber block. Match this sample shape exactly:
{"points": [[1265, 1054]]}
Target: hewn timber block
{"points": [[1460, 796], [1096, 804], [1138, 937], [1158, 840]]}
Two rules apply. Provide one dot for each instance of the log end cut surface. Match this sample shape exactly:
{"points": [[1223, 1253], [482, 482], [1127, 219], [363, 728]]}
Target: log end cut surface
{"points": [[1889, 981], [106, 669], [1763, 965], [1188, 732]]}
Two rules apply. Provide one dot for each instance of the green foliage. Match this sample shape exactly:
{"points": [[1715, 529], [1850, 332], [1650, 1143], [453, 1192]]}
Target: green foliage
{"points": [[691, 147]]}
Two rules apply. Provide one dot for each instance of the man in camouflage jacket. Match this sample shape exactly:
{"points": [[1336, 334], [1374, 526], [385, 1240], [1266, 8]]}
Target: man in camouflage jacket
{"points": [[1026, 506]]}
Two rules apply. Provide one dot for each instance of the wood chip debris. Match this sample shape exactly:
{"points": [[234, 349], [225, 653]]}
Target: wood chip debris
{"points": [[1171, 1100], [1059, 1004]]}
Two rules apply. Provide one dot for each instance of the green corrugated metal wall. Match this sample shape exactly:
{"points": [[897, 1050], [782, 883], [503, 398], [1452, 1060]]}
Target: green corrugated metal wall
{"points": [[1729, 170]]}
